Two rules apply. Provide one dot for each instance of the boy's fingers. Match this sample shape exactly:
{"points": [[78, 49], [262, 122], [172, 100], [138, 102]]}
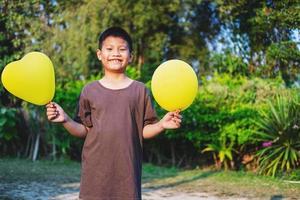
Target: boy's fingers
{"points": [[178, 120], [52, 113], [177, 114], [177, 124], [170, 115], [51, 109], [50, 105], [51, 117]]}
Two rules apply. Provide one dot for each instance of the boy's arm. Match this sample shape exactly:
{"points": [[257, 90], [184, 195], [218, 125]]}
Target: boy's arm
{"points": [[171, 120], [75, 128], [56, 114]]}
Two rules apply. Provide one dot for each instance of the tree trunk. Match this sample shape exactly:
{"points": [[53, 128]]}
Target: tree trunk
{"points": [[53, 148], [27, 150], [140, 55], [181, 160], [26, 121], [173, 154], [31, 144], [36, 147]]}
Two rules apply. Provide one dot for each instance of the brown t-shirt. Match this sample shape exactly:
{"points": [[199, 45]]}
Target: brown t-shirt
{"points": [[112, 151]]}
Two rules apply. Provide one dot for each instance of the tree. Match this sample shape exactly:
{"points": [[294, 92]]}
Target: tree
{"points": [[263, 25]]}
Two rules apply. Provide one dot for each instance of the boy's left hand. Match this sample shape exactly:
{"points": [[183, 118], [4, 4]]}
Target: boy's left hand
{"points": [[171, 120]]}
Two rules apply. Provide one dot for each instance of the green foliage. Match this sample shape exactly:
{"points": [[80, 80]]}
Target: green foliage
{"points": [[160, 31], [133, 73], [228, 63], [222, 150], [7, 124], [67, 96], [260, 27], [12, 36], [226, 108], [229, 97], [263, 22], [285, 52], [293, 175], [279, 130], [221, 117], [285, 56], [241, 129]]}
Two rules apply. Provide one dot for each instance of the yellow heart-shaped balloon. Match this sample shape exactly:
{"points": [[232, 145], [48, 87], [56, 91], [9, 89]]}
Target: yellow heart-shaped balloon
{"points": [[31, 78], [174, 85]]}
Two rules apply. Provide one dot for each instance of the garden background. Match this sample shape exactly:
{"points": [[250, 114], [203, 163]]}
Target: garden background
{"points": [[246, 54]]}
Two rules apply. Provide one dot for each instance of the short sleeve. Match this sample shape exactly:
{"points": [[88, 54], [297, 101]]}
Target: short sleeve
{"points": [[83, 112], [150, 116]]}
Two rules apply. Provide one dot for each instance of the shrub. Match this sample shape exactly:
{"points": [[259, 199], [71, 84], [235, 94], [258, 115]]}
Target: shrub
{"points": [[279, 133]]}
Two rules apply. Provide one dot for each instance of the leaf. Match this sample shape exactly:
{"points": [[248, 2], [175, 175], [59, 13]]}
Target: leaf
{"points": [[222, 156], [2, 121], [228, 154], [8, 136]]}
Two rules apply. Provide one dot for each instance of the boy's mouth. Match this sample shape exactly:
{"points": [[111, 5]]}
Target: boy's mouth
{"points": [[115, 60]]}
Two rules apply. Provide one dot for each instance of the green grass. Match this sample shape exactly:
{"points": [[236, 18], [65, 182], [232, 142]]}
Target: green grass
{"points": [[25, 170], [231, 183], [151, 172], [219, 183]]}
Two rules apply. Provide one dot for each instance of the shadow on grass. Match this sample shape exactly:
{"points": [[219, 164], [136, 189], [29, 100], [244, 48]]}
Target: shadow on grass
{"points": [[4, 197], [171, 184], [38, 190], [277, 197], [23, 179]]}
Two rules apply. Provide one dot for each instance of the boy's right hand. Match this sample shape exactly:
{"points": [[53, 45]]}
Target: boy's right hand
{"points": [[55, 113]]}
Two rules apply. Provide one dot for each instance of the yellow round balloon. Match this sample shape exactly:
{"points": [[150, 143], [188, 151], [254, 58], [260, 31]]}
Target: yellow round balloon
{"points": [[174, 85], [31, 78]]}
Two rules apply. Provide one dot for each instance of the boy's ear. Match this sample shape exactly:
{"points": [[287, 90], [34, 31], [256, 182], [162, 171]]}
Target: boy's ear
{"points": [[98, 52], [131, 57]]}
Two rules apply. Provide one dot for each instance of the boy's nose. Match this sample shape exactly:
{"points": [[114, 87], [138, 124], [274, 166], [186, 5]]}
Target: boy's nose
{"points": [[116, 53]]}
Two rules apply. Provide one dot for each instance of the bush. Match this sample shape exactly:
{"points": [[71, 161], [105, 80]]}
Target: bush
{"points": [[221, 116], [279, 133]]}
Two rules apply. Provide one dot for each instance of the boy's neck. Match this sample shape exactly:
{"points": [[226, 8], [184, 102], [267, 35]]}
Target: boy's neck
{"points": [[115, 81]]}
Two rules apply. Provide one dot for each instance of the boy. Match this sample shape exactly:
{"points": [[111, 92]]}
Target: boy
{"points": [[114, 115]]}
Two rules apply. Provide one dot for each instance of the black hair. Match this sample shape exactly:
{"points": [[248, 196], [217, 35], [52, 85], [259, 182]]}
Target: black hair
{"points": [[116, 32]]}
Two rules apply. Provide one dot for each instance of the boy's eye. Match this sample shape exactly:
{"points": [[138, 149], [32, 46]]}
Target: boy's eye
{"points": [[123, 49], [109, 49]]}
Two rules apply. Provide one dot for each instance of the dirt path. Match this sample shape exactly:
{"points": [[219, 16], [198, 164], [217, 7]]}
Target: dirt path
{"points": [[69, 191]]}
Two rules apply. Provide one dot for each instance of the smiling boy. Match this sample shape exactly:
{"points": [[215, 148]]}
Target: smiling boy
{"points": [[114, 115]]}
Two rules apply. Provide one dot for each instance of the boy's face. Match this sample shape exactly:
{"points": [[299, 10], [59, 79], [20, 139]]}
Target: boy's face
{"points": [[114, 54]]}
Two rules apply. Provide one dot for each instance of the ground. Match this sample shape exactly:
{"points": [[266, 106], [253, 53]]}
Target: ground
{"points": [[69, 191], [43, 180]]}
